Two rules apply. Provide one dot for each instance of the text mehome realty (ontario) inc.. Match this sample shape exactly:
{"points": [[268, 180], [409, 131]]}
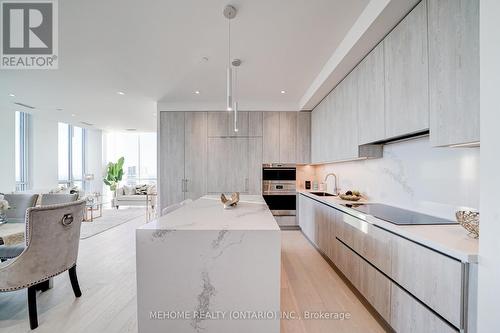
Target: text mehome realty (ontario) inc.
{"points": [[248, 315]]}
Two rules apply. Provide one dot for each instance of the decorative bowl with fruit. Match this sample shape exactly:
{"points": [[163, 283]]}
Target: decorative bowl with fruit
{"points": [[351, 196]]}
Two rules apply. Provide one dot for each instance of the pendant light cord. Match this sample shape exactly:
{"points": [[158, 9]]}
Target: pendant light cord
{"points": [[229, 43]]}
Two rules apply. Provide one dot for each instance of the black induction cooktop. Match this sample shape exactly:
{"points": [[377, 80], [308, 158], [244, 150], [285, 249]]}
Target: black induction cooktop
{"points": [[398, 216]]}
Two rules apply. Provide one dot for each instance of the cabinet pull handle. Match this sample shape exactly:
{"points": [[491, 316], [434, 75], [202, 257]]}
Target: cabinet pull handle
{"points": [[186, 185], [182, 185]]}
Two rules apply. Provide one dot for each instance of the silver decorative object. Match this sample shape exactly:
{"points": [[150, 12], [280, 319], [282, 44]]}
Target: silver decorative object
{"points": [[470, 221], [229, 203]]}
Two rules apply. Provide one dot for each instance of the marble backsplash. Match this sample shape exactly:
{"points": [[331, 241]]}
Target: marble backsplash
{"points": [[411, 175]]}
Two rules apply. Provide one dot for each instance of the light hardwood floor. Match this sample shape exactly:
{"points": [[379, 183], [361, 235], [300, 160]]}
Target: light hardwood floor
{"points": [[106, 270]]}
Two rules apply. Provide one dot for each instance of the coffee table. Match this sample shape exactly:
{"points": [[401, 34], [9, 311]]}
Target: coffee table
{"points": [[93, 208]]}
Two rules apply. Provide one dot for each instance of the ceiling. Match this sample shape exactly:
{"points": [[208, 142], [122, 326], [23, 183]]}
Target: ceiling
{"points": [[164, 51]]}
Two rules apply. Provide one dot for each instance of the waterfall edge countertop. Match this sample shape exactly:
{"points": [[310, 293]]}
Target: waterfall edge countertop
{"points": [[205, 264], [208, 213]]}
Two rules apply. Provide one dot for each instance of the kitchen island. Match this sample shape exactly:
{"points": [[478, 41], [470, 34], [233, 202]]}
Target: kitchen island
{"points": [[203, 268]]}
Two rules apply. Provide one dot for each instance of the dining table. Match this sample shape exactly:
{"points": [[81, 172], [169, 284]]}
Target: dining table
{"points": [[12, 231]]}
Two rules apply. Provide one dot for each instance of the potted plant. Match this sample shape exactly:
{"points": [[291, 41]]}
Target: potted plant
{"points": [[114, 174]]}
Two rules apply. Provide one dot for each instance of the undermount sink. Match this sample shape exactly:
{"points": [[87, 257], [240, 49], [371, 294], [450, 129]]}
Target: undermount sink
{"points": [[323, 194]]}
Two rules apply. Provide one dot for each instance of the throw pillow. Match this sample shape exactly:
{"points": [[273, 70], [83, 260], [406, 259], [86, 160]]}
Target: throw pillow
{"points": [[128, 190], [141, 189], [152, 189]]}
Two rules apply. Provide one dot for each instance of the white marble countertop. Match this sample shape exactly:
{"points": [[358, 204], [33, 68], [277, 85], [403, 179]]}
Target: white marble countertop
{"points": [[451, 240], [208, 213]]}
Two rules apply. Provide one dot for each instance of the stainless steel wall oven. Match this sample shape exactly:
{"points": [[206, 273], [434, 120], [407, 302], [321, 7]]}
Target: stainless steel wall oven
{"points": [[279, 188]]}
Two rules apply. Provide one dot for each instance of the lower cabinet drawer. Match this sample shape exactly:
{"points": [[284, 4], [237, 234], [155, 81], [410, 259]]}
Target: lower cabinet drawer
{"points": [[432, 277], [372, 284], [372, 243], [408, 315]]}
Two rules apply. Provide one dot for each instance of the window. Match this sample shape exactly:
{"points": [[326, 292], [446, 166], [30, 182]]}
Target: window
{"points": [[21, 146], [71, 165], [139, 151]]}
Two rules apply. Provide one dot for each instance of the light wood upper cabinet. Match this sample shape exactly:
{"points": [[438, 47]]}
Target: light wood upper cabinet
{"points": [[254, 181], [406, 75], [371, 105], [288, 137], [281, 137], [241, 124], [218, 123], [329, 122], [195, 166], [171, 158], [454, 71], [304, 137], [221, 124], [227, 165], [317, 136], [255, 124], [345, 121], [271, 135]]}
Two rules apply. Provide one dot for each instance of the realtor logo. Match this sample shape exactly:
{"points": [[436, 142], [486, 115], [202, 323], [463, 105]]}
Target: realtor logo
{"points": [[29, 34]]}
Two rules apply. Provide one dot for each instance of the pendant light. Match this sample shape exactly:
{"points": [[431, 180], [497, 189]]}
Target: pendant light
{"points": [[235, 63], [229, 13], [236, 116]]}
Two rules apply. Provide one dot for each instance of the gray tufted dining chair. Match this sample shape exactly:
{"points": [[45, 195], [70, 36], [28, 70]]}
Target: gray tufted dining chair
{"points": [[52, 240], [57, 198], [19, 202]]}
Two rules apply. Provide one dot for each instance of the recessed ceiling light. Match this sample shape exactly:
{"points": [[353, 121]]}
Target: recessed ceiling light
{"points": [[154, 114], [73, 115], [121, 93], [197, 92], [12, 95], [283, 92]]}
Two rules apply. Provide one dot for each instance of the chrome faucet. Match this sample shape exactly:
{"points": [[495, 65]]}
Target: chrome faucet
{"points": [[336, 192]]}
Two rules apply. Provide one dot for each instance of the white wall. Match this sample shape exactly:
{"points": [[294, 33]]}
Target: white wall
{"points": [[489, 243], [7, 151], [43, 154], [415, 176]]}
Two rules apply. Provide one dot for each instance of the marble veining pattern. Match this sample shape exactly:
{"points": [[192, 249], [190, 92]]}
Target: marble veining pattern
{"points": [[208, 291], [412, 175], [196, 260]]}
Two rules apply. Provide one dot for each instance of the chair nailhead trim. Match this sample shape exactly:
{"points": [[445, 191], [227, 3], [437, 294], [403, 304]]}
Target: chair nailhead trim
{"points": [[36, 282]]}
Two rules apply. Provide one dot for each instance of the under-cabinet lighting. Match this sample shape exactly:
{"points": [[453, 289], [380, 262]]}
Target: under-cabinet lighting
{"points": [[467, 145]]}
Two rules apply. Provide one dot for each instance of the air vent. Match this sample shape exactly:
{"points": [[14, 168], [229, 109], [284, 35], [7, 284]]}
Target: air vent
{"points": [[24, 105], [131, 129], [86, 123]]}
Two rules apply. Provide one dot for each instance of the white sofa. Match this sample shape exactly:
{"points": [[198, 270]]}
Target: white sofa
{"points": [[126, 196]]}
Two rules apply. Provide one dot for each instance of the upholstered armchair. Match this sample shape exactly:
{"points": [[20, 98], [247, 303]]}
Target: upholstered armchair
{"points": [[57, 198], [52, 239], [19, 203]]}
